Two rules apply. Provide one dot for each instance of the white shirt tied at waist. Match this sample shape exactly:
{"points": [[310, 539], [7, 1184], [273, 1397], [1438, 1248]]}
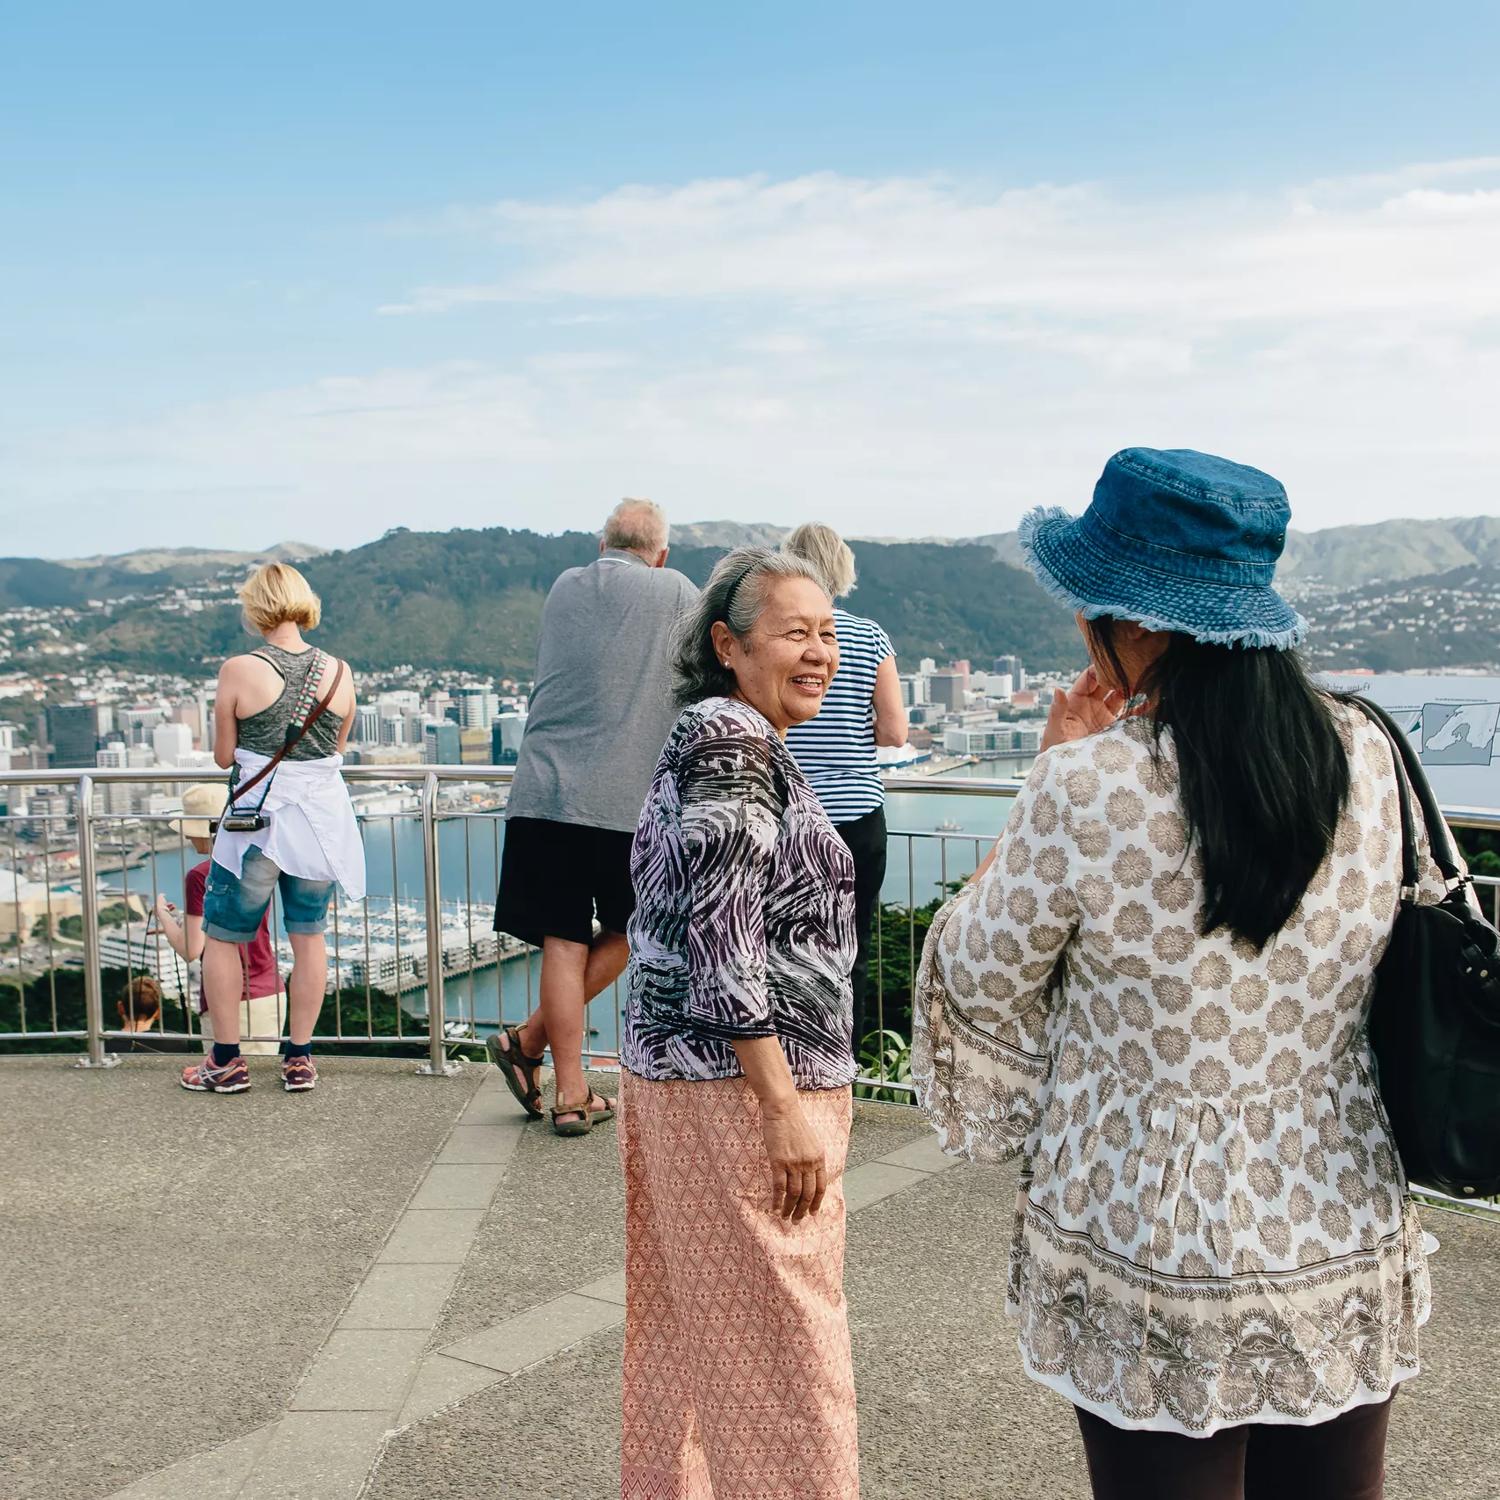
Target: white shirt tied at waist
{"points": [[312, 833]]}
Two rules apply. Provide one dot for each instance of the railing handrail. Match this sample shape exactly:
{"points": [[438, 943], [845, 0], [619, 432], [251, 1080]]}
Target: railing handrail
{"points": [[1458, 815]]}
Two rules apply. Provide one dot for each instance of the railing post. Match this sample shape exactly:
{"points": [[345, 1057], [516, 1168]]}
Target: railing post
{"points": [[88, 894], [437, 1064]]}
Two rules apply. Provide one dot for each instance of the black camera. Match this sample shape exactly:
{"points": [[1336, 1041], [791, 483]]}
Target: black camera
{"points": [[244, 822]]}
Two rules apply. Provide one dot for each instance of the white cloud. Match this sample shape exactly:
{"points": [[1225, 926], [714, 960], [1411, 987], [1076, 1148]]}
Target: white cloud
{"points": [[908, 355]]}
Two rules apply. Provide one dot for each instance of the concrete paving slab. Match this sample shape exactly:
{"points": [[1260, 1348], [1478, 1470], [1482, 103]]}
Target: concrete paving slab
{"points": [[923, 1155], [881, 1128], [482, 1143], [492, 1104], [467, 1186], [362, 1369], [440, 1382], [423, 1236], [564, 1415], [215, 1475], [130, 1206], [537, 1334], [401, 1296], [318, 1456], [554, 1224], [876, 1180], [609, 1288]]}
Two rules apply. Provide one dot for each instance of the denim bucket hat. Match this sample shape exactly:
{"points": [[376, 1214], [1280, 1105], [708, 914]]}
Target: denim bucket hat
{"points": [[1174, 540]]}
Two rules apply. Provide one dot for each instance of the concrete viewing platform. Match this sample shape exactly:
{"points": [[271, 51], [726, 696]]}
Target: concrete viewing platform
{"points": [[395, 1288]]}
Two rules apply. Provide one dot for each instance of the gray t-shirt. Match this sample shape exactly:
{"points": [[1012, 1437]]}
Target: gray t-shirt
{"points": [[602, 706]]}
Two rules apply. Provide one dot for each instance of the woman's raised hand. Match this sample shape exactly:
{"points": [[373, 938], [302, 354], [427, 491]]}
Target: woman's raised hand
{"points": [[799, 1174], [1086, 708]]}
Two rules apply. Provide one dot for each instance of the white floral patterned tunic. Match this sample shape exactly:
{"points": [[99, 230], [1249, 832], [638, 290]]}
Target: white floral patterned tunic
{"points": [[1212, 1226]]}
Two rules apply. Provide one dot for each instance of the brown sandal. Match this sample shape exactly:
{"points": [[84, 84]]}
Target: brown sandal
{"points": [[586, 1112], [518, 1070]]}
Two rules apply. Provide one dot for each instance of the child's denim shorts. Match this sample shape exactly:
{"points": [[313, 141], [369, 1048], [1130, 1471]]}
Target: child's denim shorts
{"points": [[234, 905]]}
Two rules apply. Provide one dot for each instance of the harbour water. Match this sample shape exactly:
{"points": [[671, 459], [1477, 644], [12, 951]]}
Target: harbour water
{"points": [[934, 837]]}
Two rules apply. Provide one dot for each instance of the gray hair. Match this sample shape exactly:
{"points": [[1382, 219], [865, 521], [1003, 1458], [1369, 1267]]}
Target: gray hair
{"points": [[736, 594], [828, 552], [636, 526]]}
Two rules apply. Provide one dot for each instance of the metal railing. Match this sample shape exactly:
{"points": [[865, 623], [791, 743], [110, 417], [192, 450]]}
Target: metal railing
{"points": [[922, 863]]}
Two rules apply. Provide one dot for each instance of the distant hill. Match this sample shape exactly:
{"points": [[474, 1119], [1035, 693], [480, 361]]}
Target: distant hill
{"points": [[188, 563], [473, 599], [42, 584], [1385, 596]]}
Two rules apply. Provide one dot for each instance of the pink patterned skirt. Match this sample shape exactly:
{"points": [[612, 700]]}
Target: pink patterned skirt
{"points": [[738, 1380]]}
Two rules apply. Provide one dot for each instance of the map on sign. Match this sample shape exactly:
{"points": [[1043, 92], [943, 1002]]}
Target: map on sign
{"points": [[1458, 734]]}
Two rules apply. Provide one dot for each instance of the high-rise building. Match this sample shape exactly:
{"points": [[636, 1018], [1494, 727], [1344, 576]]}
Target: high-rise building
{"points": [[1012, 666], [186, 711], [72, 732], [473, 707], [949, 687], [114, 796], [137, 723], [7, 736], [367, 724], [393, 729], [505, 737], [172, 743], [441, 745], [913, 689]]}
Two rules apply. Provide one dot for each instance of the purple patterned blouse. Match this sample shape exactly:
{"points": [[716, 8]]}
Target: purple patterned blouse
{"points": [[744, 918]]}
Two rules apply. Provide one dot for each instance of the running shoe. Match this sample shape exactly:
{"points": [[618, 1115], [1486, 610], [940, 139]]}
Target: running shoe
{"points": [[204, 1078], [298, 1075]]}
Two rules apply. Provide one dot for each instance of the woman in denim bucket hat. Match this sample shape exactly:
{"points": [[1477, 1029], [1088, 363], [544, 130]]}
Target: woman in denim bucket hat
{"points": [[1154, 991]]}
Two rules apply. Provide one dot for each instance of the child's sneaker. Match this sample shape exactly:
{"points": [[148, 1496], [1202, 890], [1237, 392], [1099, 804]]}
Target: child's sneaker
{"points": [[204, 1078], [298, 1075]]}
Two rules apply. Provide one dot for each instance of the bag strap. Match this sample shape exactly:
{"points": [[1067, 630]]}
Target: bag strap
{"points": [[1439, 836], [293, 736]]}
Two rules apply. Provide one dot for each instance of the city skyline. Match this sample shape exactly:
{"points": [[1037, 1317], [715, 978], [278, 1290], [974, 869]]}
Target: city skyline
{"points": [[907, 274]]}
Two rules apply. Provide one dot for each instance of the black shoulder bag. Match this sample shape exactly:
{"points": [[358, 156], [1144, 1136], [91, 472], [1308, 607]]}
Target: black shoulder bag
{"points": [[1435, 1019]]}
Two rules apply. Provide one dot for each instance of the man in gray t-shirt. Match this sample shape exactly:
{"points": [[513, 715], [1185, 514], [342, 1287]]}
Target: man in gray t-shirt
{"points": [[599, 714]]}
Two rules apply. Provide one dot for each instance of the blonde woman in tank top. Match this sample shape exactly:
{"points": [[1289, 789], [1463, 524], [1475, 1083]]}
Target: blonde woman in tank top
{"points": [[310, 840]]}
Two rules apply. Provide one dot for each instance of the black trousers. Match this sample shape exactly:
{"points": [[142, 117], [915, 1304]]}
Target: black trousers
{"points": [[1343, 1459], [866, 840]]}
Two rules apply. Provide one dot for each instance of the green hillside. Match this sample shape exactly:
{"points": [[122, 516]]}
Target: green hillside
{"points": [[473, 600]]}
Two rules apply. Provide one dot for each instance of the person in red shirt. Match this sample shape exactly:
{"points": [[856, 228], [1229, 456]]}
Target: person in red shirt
{"points": [[263, 1010]]}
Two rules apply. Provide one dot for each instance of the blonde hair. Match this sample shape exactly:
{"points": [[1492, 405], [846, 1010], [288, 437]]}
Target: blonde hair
{"points": [[277, 593], [828, 552]]}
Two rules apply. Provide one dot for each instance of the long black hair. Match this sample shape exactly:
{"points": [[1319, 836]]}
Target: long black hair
{"points": [[1263, 774]]}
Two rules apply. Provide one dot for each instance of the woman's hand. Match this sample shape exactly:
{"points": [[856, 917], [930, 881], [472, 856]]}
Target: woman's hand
{"points": [[1086, 708], [799, 1175]]}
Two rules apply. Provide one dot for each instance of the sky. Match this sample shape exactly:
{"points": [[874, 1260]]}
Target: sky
{"points": [[309, 272]]}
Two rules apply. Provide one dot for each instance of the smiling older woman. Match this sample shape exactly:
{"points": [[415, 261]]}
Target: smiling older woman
{"points": [[738, 1060]]}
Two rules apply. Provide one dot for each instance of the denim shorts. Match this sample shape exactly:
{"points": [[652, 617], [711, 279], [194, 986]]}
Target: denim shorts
{"points": [[233, 905]]}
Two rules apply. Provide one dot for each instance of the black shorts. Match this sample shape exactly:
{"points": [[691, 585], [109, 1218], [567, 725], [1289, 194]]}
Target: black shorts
{"points": [[556, 877]]}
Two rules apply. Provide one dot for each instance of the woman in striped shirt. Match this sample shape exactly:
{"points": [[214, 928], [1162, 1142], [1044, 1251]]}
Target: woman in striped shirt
{"points": [[836, 750]]}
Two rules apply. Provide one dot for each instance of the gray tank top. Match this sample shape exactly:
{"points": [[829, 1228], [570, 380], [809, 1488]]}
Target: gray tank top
{"points": [[265, 732]]}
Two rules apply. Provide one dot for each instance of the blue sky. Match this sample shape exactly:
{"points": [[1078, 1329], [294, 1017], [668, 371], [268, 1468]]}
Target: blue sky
{"points": [[311, 272]]}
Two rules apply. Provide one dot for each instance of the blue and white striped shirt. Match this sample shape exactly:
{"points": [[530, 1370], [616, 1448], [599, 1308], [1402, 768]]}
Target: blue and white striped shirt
{"points": [[836, 750]]}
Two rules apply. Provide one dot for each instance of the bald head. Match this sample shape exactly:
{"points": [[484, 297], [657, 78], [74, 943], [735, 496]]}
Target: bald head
{"points": [[638, 526]]}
